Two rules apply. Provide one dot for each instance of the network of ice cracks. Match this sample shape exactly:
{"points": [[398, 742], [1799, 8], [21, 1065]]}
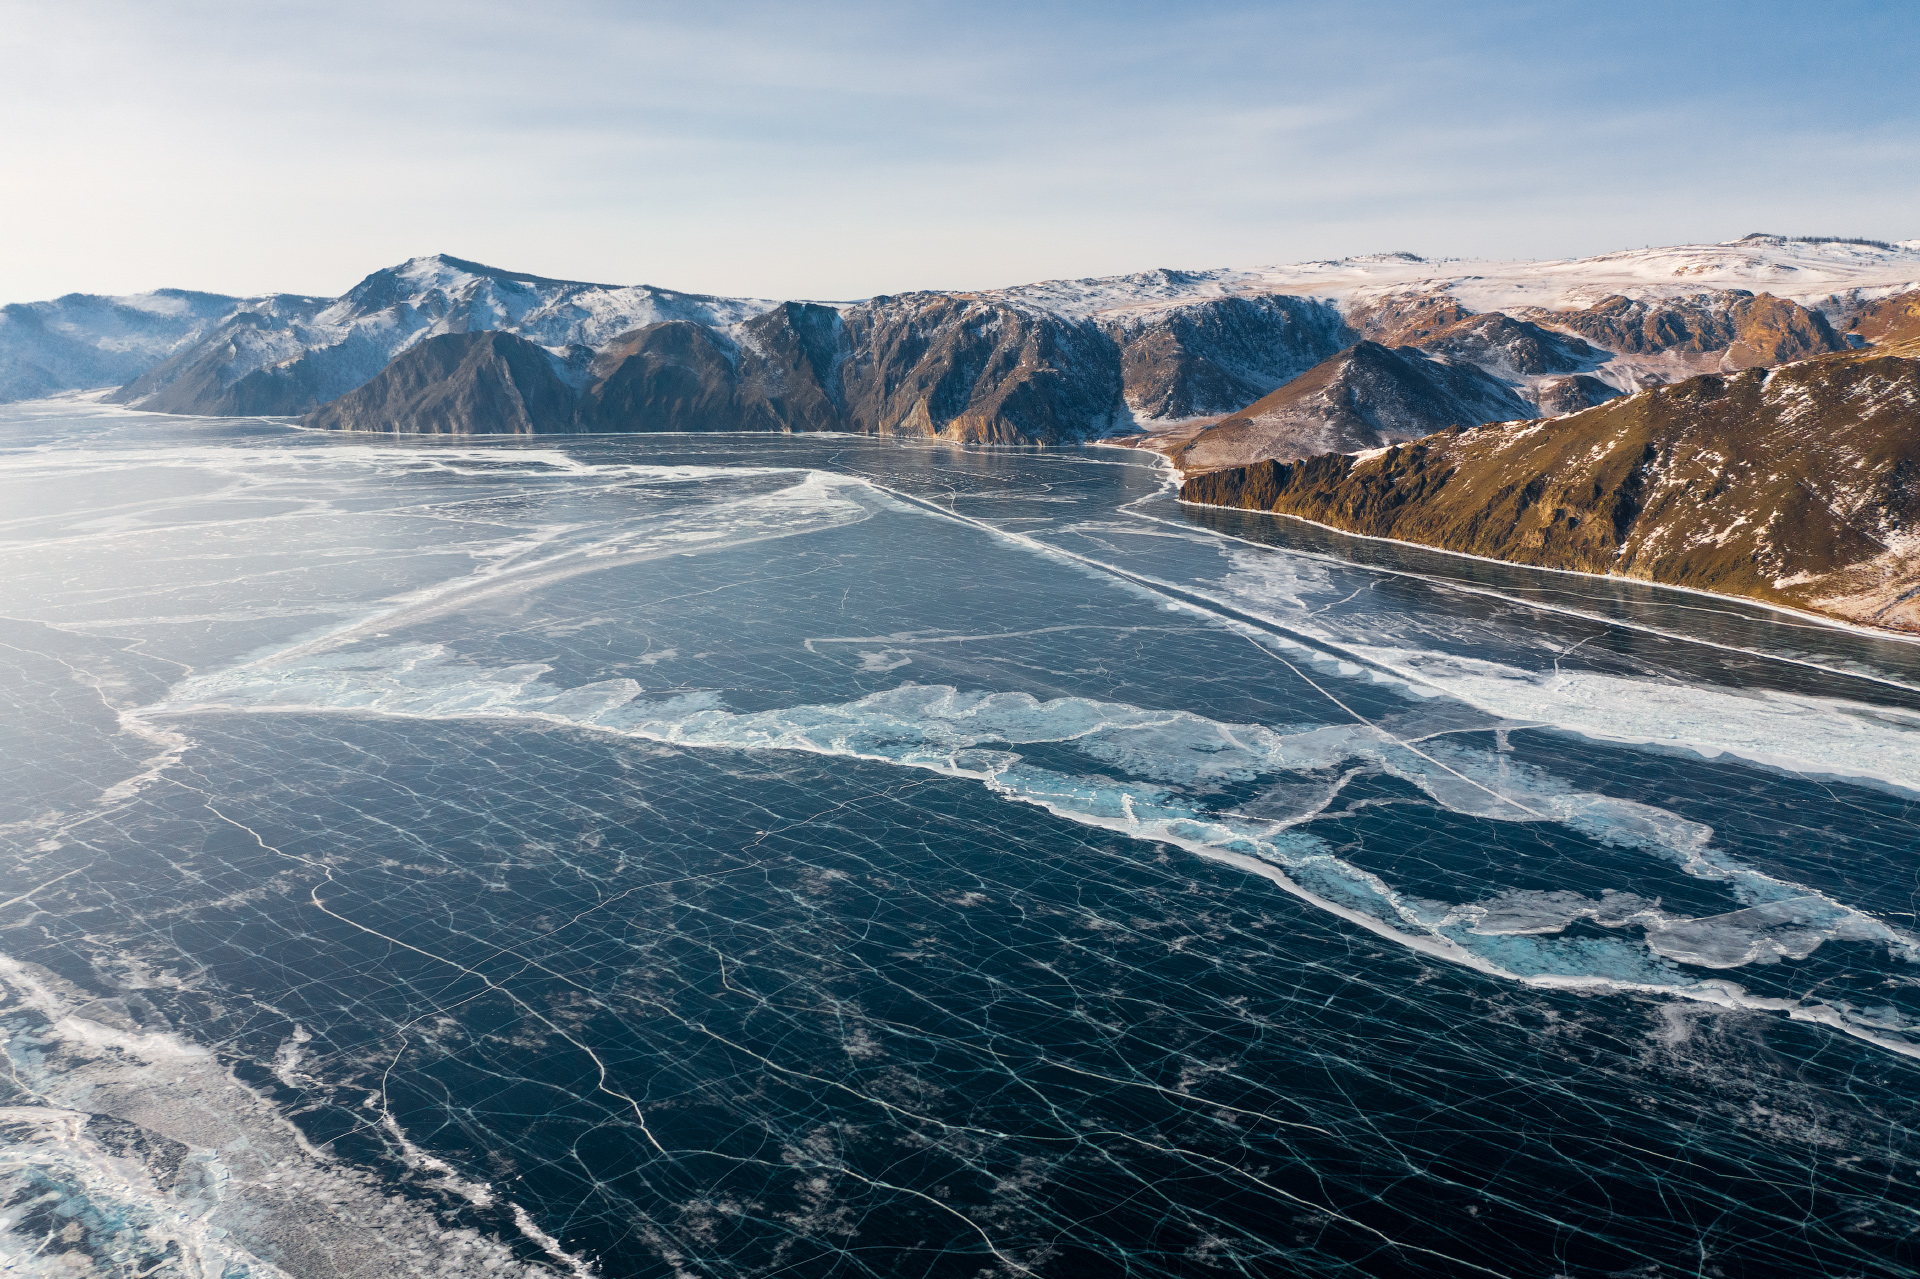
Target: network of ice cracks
{"points": [[1148, 755], [1138, 764]]}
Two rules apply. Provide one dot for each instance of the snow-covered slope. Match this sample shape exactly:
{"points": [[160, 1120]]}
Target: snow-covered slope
{"points": [[1180, 328], [88, 340], [1819, 275], [290, 361]]}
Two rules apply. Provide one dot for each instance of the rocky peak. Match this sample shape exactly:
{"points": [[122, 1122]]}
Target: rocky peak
{"points": [[1365, 397], [1750, 330], [1401, 319], [1510, 348]]}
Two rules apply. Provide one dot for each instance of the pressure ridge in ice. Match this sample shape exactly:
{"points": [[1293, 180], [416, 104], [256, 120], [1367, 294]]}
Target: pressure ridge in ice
{"points": [[1143, 767]]}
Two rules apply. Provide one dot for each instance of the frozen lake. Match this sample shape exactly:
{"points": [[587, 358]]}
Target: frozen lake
{"points": [[738, 856]]}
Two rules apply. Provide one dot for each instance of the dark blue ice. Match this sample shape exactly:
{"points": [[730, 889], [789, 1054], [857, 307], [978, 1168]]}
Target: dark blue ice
{"points": [[740, 856]]}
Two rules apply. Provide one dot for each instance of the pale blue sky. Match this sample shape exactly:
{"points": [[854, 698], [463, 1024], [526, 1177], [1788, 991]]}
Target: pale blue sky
{"points": [[838, 150]]}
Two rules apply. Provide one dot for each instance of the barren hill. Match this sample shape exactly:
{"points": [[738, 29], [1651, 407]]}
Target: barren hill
{"points": [[1798, 485]]}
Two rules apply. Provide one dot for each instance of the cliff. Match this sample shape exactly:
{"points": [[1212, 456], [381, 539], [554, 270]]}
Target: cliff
{"points": [[1797, 486], [458, 384]]}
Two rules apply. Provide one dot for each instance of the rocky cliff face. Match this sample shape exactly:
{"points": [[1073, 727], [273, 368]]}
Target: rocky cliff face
{"points": [[1799, 486], [1491, 366], [963, 368], [489, 383], [1402, 319], [1509, 349], [1743, 330], [1213, 357], [921, 365], [1366, 396], [775, 373], [1887, 320]]}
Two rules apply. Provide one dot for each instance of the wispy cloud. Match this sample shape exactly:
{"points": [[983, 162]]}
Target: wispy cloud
{"points": [[834, 150]]}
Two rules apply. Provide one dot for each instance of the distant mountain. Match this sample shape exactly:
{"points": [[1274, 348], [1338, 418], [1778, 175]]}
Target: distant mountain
{"points": [[922, 364], [1365, 396], [86, 340], [289, 360], [1798, 485], [1167, 352]]}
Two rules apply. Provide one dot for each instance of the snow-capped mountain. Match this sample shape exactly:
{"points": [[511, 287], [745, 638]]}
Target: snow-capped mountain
{"points": [[1812, 271], [88, 340], [1056, 360], [291, 360]]}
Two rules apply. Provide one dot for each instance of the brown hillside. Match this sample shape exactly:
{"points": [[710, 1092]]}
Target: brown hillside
{"points": [[1366, 396], [1752, 331], [1798, 486], [1894, 319]]}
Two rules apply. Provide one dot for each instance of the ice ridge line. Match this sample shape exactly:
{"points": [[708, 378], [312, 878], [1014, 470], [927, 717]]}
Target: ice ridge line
{"points": [[1203, 603]]}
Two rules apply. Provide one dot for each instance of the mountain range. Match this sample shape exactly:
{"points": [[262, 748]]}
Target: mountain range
{"points": [[1218, 368], [1740, 417]]}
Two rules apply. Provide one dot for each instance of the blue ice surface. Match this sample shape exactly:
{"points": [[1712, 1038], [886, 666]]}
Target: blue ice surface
{"points": [[751, 855]]}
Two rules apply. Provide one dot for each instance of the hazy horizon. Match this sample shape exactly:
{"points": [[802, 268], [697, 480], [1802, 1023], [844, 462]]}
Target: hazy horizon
{"points": [[858, 149]]}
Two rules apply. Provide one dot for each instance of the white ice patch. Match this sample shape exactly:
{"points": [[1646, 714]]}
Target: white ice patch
{"points": [[975, 735], [235, 1181], [1790, 928], [1821, 736]]}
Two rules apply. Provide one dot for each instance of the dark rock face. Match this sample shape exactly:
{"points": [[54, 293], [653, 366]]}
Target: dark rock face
{"points": [[777, 376], [965, 369], [1215, 356], [1571, 394], [460, 383], [1752, 330], [1365, 397], [789, 369], [674, 376], [1796, 486], [1510, 348]]}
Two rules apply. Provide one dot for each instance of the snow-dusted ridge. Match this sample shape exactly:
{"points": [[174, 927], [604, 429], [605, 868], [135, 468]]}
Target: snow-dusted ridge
{"points": [[1809, 273], [1176, 345]]}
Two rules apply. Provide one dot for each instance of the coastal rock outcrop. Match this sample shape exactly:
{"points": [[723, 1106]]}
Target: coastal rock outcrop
{"points": [[1798, 486]]}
